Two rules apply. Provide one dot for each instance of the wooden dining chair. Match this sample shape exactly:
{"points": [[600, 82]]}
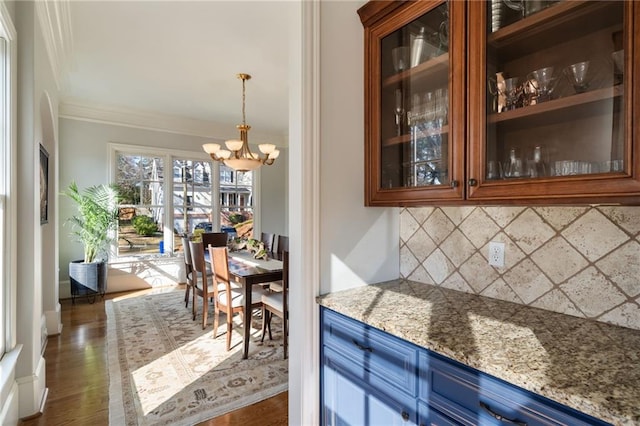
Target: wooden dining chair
{"points": [[229, 299], [188, 269], [283, 244], [202, 280], [268, 240], [216, 239], [277, 303]]}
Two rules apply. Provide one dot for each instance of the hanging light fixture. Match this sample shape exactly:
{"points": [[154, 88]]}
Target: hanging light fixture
{"points": [[238, 155]]}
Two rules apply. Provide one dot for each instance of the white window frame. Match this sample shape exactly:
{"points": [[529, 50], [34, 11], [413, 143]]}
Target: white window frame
{"points": [[8, 184], [169, 155]]}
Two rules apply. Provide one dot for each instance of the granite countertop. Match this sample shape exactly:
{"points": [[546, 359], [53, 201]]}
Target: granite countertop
{"points": [[591, 366]]}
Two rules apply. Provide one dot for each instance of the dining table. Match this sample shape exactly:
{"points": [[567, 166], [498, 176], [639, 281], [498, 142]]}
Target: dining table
{"points": [[247, 271]]}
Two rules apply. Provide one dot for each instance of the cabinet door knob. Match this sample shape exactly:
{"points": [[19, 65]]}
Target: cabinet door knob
{"points": [[473, 182], [405, 416], [454, 183]]}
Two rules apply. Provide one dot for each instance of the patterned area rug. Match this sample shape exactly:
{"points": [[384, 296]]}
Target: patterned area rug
{"points": [[165, 370]]}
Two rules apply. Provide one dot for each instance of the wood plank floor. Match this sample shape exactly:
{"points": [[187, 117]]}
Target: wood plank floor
{"points": [[78, 380]]}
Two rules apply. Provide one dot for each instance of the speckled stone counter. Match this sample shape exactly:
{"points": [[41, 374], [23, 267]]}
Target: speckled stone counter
{"points": [[591, 366]]}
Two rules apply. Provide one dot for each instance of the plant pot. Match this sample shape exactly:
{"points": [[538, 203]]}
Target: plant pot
{"points": [[87, 279]]}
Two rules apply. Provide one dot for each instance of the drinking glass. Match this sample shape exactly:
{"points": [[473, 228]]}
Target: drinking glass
{"points": [[578, 76], [618, 65], [544, 82], [400, 58]]}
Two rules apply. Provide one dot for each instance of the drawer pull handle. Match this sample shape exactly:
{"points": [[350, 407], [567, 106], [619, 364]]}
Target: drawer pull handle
{"points": [[499, 417], [362, 348]]}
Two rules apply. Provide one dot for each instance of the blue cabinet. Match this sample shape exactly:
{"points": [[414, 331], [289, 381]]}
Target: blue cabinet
{"points": [[370, 377]]}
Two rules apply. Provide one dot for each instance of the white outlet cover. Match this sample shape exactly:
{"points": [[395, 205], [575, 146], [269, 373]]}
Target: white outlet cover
{"points": [[496, 254]]}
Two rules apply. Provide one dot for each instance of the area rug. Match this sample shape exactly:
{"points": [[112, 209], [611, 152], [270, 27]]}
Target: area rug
{"points": [[165, 370]]}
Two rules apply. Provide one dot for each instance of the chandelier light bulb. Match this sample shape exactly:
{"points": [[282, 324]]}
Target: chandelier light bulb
{"points": [[211, 148], [266, 148], [234, 144]]}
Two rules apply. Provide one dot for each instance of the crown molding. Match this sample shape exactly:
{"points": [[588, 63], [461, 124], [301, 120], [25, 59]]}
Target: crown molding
{"points": [[55, 22], [119, 116]]}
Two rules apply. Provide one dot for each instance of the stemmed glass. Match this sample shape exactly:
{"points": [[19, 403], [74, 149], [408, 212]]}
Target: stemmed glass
{"points": [[578, 76], [544, 82]]}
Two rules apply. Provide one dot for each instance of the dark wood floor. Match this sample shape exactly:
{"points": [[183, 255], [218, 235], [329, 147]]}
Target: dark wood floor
{"points": [[78, 380]]}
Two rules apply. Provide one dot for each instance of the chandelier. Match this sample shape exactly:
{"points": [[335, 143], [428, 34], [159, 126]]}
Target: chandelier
{"points": [[238, 155]]}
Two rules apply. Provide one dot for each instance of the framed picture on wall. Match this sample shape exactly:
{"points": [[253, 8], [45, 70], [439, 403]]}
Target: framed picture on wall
{"points": [[44, 185]]}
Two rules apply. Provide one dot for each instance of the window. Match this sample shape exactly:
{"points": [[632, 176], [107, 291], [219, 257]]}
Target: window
{"points": [[7, 183], [151, 223], [236, 201]]}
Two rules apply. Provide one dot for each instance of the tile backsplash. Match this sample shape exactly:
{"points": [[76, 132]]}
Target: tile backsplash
{"points": [[581, 261]]}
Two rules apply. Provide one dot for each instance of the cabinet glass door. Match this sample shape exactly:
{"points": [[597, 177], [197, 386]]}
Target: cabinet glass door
{"points": [[554, 94], [415, 102]]}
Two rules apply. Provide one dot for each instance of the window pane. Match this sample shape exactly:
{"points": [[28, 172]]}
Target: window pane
{"points": [[192, 196], [141, 222], [236, 201]]}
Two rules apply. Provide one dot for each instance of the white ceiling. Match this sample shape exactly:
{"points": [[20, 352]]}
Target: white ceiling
{"points": [[180, 58]]}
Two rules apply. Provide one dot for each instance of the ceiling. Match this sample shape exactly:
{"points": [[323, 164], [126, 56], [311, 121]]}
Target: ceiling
{"points": [[180, 58]]}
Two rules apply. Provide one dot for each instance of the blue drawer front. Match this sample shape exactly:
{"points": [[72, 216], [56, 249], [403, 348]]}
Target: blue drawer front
{"points": [[474, 398], [384, 357]]}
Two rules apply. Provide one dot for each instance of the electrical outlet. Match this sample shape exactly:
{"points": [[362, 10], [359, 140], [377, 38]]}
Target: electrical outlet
{"points": [[496, 254]]}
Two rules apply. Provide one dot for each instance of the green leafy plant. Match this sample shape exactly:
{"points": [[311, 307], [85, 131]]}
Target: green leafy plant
{"points": [[144, 225], [236, 218], [96, 219]]}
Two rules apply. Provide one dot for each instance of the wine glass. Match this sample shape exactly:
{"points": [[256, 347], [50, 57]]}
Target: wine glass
{"points": [[578, 76], [544, 82]]}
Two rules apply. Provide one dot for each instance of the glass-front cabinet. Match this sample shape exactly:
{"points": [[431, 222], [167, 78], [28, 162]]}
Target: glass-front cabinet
{"points": [[415, 143], [501, 101]]}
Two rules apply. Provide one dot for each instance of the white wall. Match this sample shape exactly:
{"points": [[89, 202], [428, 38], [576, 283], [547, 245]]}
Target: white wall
{"points": [[273, 200], [84, 157], [359, 244], [37, 113]]}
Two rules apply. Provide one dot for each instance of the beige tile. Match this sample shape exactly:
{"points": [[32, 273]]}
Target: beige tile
{"points": [[528, 281], [420, 275], [421, 214], [558, 259], [479, 228], [408, 225], [438, 226], [456, 282], [421, 245], [626, 315], [628, 218], [478, 273], [500, 290], [438, 266], [408, 262], [557, 301], [594, 235], [592, 293], [559, 217], [528, 231], [503, 215], [458, 214], [457, 248], [622, 266]]}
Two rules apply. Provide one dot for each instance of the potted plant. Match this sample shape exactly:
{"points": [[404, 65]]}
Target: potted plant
{"points": [[94, 227]]}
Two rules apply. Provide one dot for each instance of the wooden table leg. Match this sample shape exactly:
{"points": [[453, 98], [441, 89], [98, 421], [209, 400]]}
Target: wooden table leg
{"points": [[246, 319]]}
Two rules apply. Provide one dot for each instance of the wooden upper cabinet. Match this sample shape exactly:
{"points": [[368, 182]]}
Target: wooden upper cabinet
{"points": [[492, 102]]}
